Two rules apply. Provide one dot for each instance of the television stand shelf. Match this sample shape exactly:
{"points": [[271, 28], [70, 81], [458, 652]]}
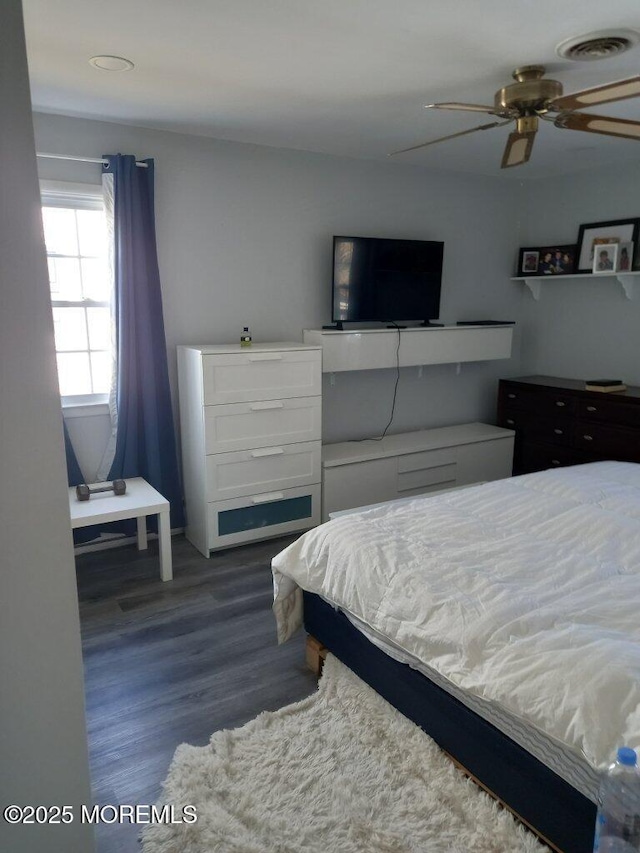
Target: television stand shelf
{"points": [[370, 349]]}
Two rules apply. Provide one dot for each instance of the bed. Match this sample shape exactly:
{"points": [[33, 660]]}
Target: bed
{"points": [[502, 618]]}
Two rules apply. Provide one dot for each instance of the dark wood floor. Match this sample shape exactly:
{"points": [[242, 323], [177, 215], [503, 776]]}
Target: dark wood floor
{"points": [[169, 663]]}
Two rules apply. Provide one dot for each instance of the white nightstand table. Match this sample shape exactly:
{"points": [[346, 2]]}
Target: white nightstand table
{"points": [[139, 501]]}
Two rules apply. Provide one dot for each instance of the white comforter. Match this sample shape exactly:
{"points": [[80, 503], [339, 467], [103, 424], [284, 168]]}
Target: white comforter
{"points": [[524, 592]]}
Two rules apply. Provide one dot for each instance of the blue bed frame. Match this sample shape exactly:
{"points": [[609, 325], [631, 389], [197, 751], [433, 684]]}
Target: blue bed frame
{"points": [[562, 816]]}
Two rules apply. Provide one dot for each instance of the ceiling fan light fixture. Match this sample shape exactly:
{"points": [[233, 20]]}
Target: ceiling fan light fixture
{"points": [[602, 44], [111, 63]]}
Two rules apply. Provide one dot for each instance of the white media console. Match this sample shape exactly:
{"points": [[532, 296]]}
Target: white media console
{"points": [[369, 349], [359, 473]]}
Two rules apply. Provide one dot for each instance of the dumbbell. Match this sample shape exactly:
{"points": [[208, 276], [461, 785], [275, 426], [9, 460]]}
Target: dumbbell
{"points": [[83, 492]]}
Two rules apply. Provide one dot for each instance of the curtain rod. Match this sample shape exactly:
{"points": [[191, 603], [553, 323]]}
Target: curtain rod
{"points": [[83, 159]]}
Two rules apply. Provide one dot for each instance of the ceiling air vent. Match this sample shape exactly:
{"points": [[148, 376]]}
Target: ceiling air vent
{"points": [[601, 45]]}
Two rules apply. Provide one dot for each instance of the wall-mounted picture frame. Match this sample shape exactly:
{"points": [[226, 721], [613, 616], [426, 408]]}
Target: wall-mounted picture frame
{"points": [[600, 233], [605, 258], [625, 257], [546, 260]]}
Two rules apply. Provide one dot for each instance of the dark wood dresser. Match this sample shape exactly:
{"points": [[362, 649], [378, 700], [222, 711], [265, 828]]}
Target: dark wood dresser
{"points": [[558, 423]]}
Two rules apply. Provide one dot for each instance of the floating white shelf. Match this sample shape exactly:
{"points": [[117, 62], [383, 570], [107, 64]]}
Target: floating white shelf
{"points": [[369, 349], [628, 280]]}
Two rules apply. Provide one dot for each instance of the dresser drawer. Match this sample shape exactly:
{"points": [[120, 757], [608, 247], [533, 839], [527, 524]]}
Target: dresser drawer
{"points": [[608, 441], [410, 462], [427, 470], [539, 457], [548, 402], [554, 430], [516, 397], [266, 423], [261, 516], [243, 377], [426, 480], [512, 419], [549, 430], [264, 469], [609, 411]]}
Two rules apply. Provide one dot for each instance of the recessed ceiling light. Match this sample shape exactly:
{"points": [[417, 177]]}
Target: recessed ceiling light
{"points": [[599, 45], [111, 63]]}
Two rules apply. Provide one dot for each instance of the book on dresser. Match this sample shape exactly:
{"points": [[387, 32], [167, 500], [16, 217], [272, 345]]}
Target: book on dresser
{"points": [[606, 386], [559, 422]]}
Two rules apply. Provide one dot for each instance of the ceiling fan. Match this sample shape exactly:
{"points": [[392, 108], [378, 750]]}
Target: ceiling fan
{"points": [[533, 97]]}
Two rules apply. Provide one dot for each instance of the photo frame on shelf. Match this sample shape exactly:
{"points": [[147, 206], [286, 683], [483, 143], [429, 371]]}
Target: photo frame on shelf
{"points": [[625, 257], [600, 233], [546, 260], [528, 261], [605, 258]]}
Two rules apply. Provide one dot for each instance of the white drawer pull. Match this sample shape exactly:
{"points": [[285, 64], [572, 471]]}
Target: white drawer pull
{"points": [[510, 421], [558, 431], [267, 451], [592, 409], [555, 461], [271, 496], [588, 437], [267, 356], [259, 407], [511, 396], [560, 403]]}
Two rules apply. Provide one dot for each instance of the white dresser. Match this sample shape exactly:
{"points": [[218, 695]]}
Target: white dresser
{"points": [[360, 473], [251, 422]]}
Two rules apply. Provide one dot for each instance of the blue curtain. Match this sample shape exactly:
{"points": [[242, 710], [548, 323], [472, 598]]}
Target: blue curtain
{"points": [[74, 474], [145, 444]]}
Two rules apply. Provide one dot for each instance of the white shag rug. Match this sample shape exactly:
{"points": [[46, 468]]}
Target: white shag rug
{"points": [[339, 772]]}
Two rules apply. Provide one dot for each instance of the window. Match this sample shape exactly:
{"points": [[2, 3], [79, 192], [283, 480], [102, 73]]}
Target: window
{"points": [[75, 234]]}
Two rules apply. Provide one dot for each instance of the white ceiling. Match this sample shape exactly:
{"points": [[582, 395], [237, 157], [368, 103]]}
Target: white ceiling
{"points": [[343, 77]]}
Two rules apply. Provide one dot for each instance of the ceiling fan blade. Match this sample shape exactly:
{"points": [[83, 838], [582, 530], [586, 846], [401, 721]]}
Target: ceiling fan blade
{"points": [[518, 149], [451, 136], [617, 91], [599, 124], [473, 108]]}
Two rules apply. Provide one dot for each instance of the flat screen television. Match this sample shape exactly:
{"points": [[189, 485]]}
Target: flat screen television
{"points": [[379, 279]]}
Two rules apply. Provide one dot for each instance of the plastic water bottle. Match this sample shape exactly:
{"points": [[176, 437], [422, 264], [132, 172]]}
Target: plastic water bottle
{"points": [[618, 818], [245, 337]]}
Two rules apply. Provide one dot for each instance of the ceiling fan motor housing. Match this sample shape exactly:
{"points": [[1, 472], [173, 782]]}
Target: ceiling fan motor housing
{"points": [[530, 95]]}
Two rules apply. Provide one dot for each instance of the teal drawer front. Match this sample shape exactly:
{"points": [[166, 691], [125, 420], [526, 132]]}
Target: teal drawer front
{"points": [[263, 515]]}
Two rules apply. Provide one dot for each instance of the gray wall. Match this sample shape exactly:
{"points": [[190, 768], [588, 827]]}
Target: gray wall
{"points": [[43, 751], [580, 328], [244, 237]]}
